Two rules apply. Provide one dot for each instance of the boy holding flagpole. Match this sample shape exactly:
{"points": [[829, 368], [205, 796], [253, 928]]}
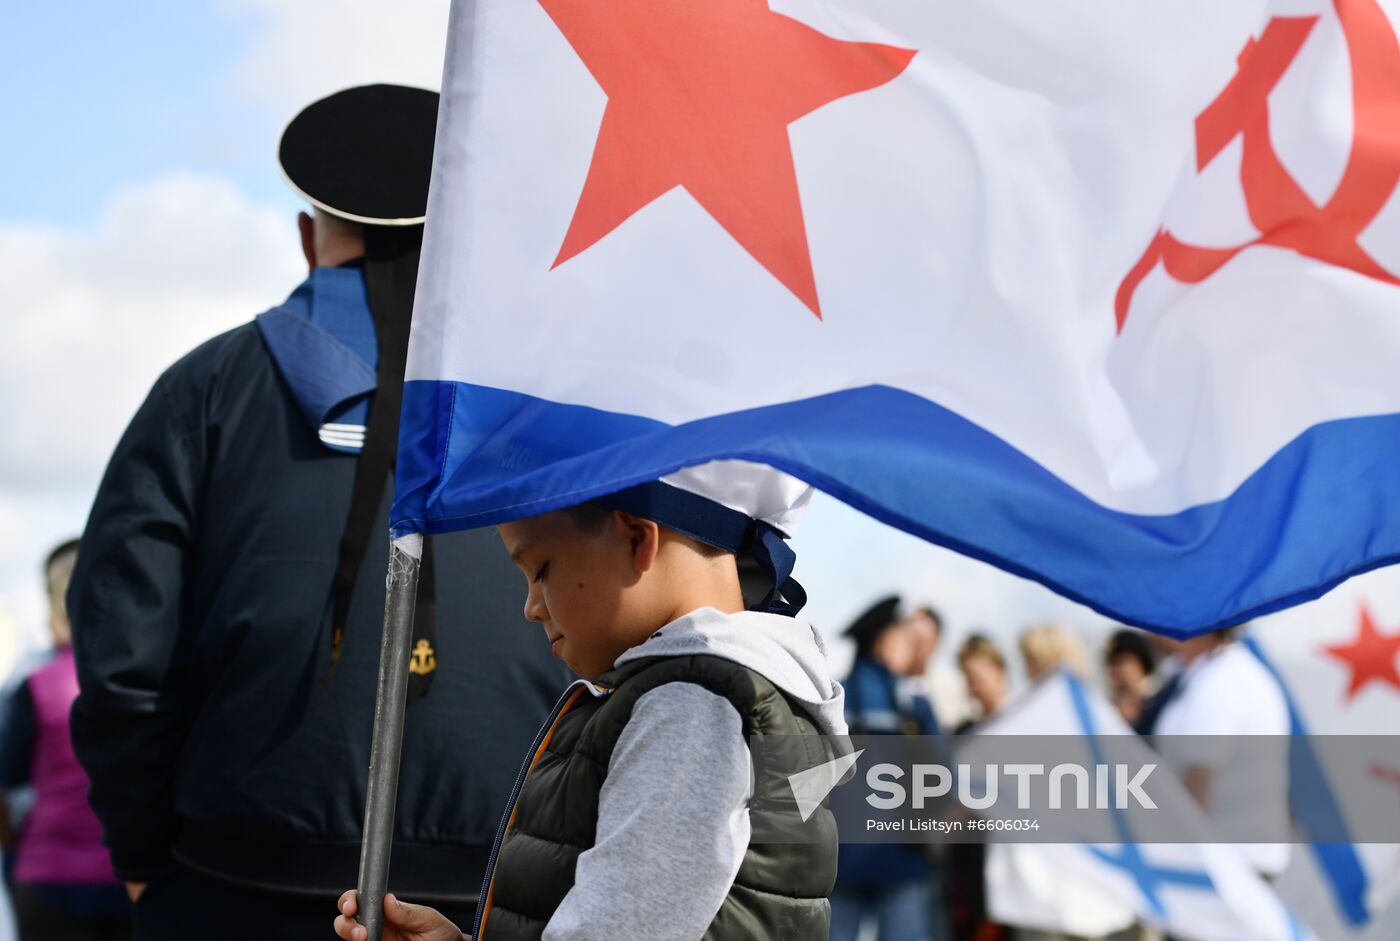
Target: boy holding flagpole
{"points": [[639, 814]]}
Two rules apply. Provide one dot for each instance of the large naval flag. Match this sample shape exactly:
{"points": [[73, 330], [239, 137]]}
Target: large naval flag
{"points": [[1105, 294]]}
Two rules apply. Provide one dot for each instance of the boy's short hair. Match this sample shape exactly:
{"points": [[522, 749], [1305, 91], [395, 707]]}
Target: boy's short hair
{"points": [[592, 515], [589, 516]]}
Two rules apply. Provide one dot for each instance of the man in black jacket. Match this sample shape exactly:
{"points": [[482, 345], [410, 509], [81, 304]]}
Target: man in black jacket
{"points": [[228, 597]]}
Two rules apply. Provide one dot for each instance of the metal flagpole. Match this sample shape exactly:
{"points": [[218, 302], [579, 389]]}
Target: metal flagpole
{"points": [[390, 702]]}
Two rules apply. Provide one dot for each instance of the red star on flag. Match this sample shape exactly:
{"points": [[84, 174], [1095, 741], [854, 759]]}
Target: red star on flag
{"points": [[1371, 656], [700, 95]]}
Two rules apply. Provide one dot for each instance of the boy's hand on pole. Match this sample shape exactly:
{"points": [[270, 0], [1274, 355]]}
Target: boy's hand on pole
{"points": [[402, 921]]}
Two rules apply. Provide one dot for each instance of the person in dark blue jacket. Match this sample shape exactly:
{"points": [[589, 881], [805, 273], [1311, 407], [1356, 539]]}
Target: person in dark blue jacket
{"points": [[229, 594], [893, 883]]}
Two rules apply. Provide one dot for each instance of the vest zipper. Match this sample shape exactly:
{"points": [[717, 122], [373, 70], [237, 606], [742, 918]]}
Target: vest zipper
{"points": [[565, 703]]}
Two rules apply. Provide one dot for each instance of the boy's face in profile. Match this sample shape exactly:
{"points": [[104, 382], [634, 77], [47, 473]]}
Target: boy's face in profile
{"points": [[584, 586]]}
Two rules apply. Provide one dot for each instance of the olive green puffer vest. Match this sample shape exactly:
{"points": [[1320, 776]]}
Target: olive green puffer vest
{"points": [[782, 887]]}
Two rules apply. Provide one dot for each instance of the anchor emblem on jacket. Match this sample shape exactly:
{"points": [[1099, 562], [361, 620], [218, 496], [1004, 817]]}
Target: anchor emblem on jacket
{"points": [[423, 661]]}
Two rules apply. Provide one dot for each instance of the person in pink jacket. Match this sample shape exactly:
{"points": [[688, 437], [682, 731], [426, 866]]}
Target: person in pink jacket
{"points": [[61, 881]]}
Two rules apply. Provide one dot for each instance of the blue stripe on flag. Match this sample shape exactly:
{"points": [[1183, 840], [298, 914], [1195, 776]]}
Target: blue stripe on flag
{"points": [[1317, 811], [1128, 856], [1324, 508]]}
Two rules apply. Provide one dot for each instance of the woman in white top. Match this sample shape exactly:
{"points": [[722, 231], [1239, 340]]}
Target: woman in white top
{"points": [[1224, 732]]}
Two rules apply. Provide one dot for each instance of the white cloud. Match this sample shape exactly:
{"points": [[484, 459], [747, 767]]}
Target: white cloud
{"points": [[313, 47], [91, 319]]}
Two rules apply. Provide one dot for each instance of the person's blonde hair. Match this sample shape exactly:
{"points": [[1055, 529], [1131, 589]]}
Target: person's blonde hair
{"points": [[1049, 647]]}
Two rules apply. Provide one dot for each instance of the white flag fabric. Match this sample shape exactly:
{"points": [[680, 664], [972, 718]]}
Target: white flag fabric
{"points": [[1104, 294], [1193, 889], [1338, 661]]}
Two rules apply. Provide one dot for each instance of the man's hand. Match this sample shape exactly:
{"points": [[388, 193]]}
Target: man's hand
{"points": [[402, 922], [134, 890]]}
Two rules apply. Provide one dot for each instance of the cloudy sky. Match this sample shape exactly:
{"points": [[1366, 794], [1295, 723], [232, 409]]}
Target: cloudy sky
{"points": [[143, 212]]}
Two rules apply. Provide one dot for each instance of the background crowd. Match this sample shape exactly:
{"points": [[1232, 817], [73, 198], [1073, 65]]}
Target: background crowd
{"points": [[61, 884], [1208, 685]]}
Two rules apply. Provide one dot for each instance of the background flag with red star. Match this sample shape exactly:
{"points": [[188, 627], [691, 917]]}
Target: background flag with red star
{"points": [[1336, 660], [1105, 294]]}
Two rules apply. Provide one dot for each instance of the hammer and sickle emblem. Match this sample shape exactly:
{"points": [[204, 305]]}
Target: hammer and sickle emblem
{"points": [[423, 661], [1282, 212]]}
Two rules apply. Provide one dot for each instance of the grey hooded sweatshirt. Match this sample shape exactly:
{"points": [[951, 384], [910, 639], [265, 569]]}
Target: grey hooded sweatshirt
{"points": [[673, 823]]}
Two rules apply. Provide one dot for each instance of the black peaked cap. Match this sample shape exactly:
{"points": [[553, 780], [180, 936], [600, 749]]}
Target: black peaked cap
{"points": [[874, 621], [364, 154]]}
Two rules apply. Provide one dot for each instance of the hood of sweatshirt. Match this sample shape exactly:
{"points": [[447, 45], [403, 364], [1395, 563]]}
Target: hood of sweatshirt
{"points": [[787, 651]]}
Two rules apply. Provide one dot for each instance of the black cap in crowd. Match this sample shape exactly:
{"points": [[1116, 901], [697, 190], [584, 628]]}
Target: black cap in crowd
{"points": [[876, 619]]}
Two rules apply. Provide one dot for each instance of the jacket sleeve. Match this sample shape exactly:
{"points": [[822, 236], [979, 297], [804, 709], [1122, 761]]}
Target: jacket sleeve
{"points": [[128, 604], [870, 703], [673, 823], [17, 736]]}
